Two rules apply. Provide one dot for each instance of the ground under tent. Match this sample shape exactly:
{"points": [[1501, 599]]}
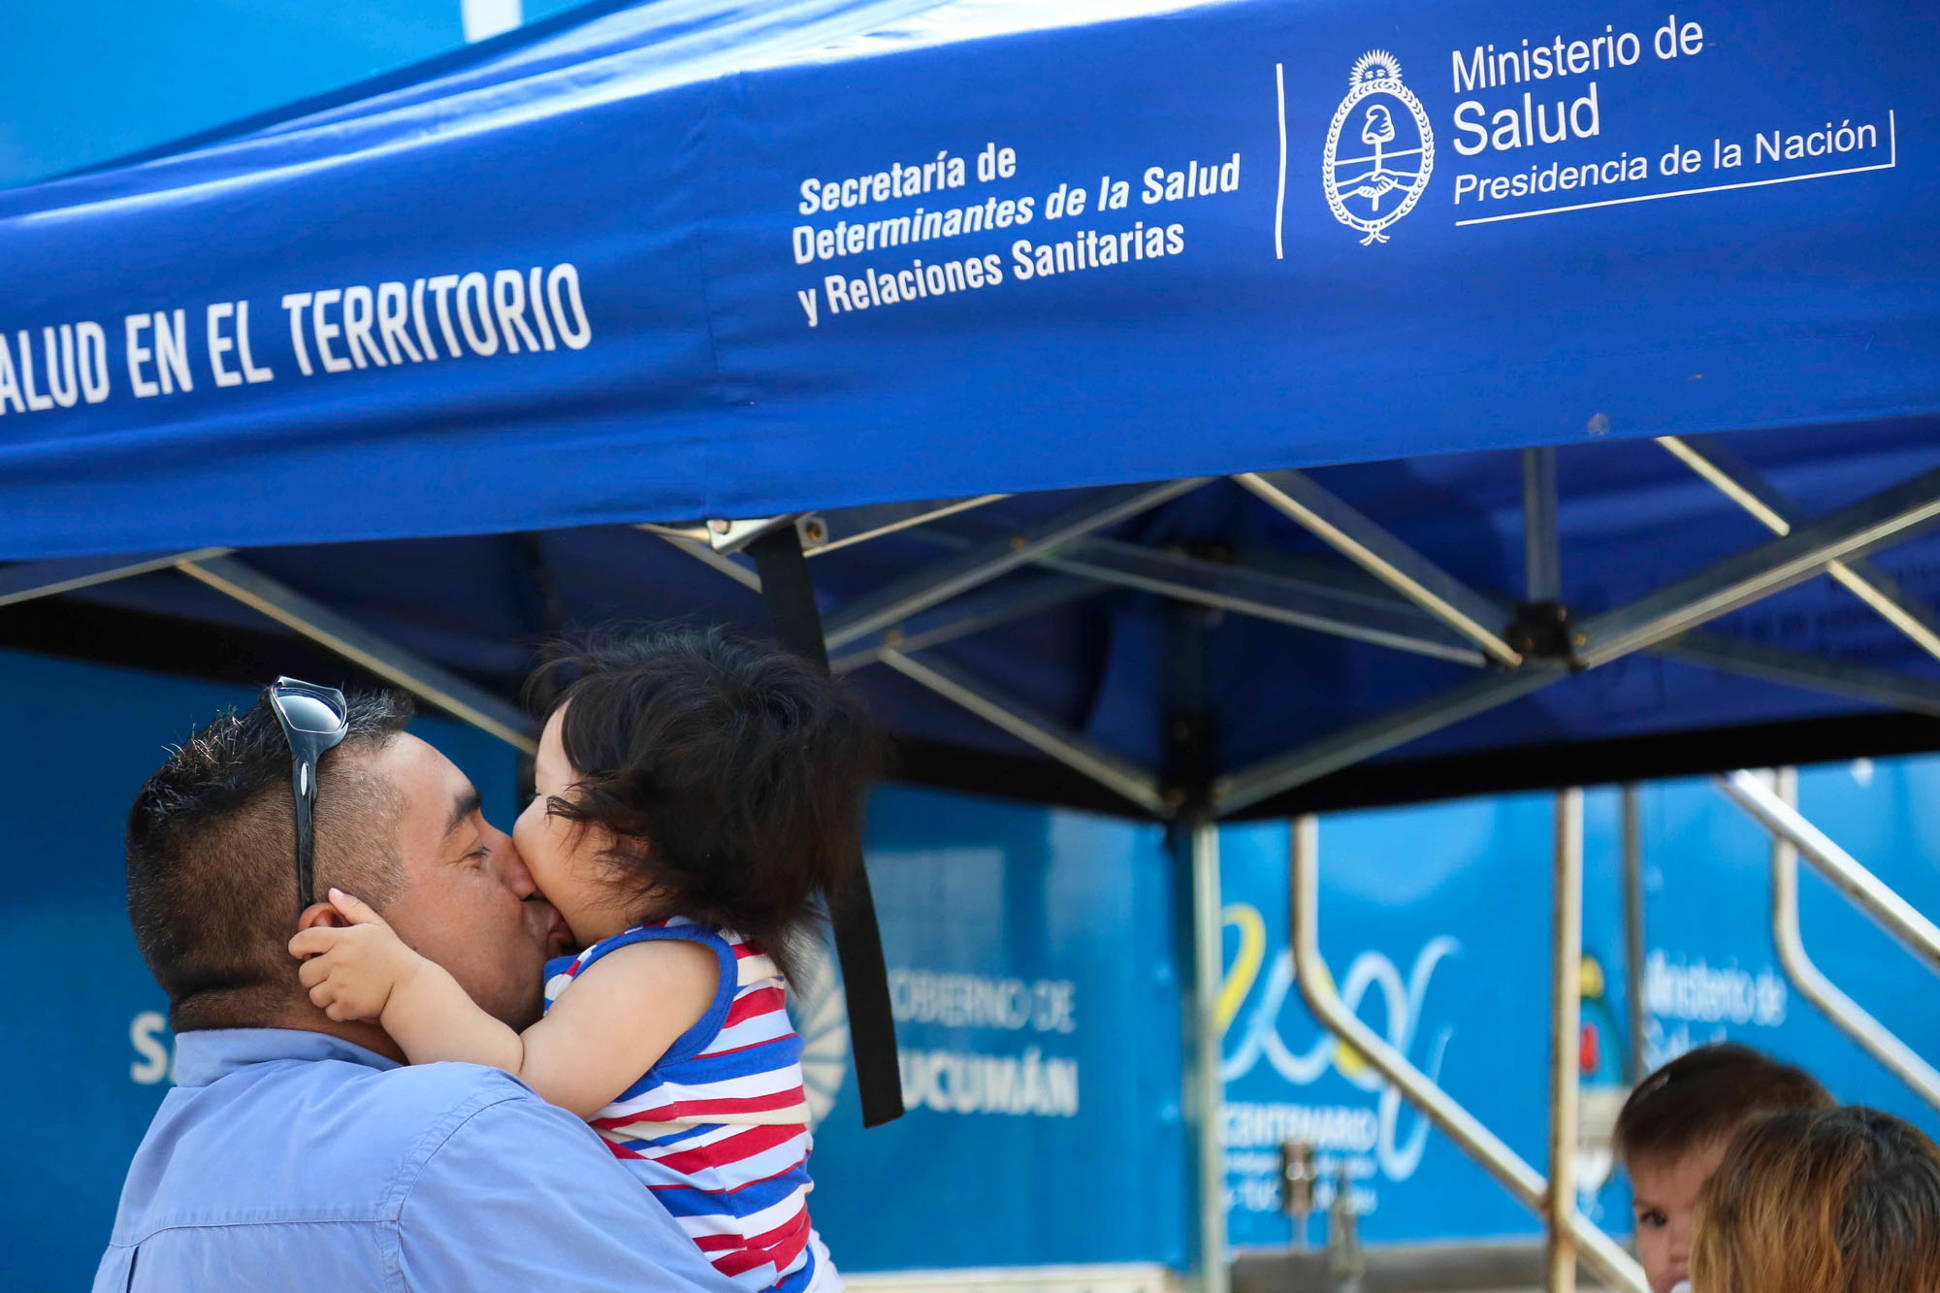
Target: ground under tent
{"points": [[1325, 408]]}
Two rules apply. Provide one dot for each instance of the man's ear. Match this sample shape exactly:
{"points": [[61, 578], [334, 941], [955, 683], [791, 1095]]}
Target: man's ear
{"points": [[321, 914]]}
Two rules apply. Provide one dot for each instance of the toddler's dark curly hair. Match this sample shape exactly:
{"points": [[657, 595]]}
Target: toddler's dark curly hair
{"points": [[729, 772]]}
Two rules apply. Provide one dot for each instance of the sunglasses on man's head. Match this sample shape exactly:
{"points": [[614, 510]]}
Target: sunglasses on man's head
{"points": [[314, 719]]}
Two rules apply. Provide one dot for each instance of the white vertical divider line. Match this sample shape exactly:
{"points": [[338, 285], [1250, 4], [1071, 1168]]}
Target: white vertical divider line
{"points": [[1280, 202]]}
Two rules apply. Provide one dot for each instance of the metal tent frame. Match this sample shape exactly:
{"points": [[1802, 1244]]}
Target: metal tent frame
{"points": [[1517, 645]]}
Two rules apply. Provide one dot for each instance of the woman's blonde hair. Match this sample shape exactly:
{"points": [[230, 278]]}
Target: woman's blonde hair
{"points": [[1821, 1201]]}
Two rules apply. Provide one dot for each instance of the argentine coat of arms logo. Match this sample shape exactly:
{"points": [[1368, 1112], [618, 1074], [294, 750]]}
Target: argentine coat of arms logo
{"points": [[1384, 126]]}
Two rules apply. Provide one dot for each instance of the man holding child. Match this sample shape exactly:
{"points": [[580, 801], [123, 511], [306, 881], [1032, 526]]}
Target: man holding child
{"points": [[298, 1152]]}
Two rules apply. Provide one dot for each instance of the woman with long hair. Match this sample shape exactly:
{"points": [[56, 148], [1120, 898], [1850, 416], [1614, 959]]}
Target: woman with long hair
{"points": [[1821, 1201]]}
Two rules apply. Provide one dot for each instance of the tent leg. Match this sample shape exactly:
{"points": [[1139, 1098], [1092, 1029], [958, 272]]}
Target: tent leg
{"points": [[1194, 840], [1206, 1097], [1633, 932], [1618, 1269], [790, 596], [1565, 1027]]}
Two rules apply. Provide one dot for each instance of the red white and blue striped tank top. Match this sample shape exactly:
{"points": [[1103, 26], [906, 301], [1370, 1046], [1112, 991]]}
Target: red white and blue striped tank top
{"points": [[718, 1128]]}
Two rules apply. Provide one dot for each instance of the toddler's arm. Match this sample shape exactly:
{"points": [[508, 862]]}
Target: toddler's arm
{"points": [[600, 1036]]}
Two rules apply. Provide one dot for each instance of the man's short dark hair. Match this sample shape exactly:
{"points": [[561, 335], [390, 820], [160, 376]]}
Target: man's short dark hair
{"points": [[1702, 1097], [211, 849]]}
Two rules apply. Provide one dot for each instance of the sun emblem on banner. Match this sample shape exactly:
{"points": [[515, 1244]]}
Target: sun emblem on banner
{"points": [[821, 1018], [1391, 147]]}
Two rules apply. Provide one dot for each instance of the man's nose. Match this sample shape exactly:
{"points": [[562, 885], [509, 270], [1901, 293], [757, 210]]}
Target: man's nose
{"points": [[511, 866]]}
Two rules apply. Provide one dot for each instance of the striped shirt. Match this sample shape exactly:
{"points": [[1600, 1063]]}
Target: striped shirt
{"points": [[718, 1127]]}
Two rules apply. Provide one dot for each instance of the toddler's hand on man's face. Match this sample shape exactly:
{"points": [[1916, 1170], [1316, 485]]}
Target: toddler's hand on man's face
{"points": [[351, 971]]}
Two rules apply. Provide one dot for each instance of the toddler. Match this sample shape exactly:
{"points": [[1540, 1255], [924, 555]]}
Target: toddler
{"points": [[1672, 1133]]}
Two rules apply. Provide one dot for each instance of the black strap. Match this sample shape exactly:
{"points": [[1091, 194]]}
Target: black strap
{"points": [[790, 597]]}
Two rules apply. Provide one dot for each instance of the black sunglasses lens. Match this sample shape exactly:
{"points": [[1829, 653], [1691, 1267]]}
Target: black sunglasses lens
{"points": [[308, 714]]}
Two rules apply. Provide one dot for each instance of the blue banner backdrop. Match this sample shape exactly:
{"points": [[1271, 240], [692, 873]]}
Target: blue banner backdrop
{"points": [[1038, 1012], [1434, 923]]}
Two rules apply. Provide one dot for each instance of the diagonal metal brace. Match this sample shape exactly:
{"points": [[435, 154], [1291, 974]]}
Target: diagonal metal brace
{"points": [[1743, 486], [733, 565], [1892, 516], [320, 624], [1340, 603], [1016, 598], [1072, 748], [1305, 604], [1315, 759], [1298, 496], [832, 531], [948, 578], [31, 579], [1796, 669]]}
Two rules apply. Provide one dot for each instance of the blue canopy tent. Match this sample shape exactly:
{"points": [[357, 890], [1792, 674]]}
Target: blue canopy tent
{"points": [[1507, 381]]}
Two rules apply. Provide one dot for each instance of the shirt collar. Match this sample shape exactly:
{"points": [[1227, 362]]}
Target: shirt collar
{"points": [[206, 1054]]}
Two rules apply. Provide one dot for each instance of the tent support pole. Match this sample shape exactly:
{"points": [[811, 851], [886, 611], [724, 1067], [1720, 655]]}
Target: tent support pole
{"points": [[1868, 583], [1193, 837], [1565, 1028], [789, 593], [1387, 620], [1633, 932], [28, 580], [1317, 988], [446, 690], [1204, 1088], [848, 526], [959, 574], [1342, 749], [729, 564], [1320, 605], [1073, 749], [1542, 553], [1874, 1037], [972, 613], [1300, 498], [1263, 595], [1891, 516], [1797, 669]]}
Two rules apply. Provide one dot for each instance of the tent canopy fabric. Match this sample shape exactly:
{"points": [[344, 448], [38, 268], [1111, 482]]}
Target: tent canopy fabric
{"points": [[428, 350]]}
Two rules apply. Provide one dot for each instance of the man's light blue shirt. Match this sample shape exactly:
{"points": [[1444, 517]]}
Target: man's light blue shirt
{"points": [[294, 1161]]}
